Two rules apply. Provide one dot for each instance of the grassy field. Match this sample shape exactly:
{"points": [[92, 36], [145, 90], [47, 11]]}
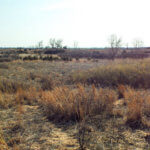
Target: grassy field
{"points": [[76, 104]]}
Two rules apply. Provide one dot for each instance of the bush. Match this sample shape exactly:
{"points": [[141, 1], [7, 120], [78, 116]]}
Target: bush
{"points": [[66, 58], [30, 58], [54, 51], [63, 103]]}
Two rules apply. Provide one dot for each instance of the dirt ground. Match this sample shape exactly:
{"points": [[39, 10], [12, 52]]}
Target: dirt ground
{"points": [[29, 129]]}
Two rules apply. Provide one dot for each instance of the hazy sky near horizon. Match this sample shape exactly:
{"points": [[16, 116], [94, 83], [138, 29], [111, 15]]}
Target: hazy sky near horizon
{"points": [[90, 22]]}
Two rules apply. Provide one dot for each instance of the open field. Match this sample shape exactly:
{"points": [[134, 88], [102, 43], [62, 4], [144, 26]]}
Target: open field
{"points": [[100, 104]]}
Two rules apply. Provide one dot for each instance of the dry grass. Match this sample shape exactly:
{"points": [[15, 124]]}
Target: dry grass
{"points": [[6, 100], [135, 74], [75, 102], [138, 107], [65, 104], [27, 97], [7, 86], [3, 144], [47, 83]]}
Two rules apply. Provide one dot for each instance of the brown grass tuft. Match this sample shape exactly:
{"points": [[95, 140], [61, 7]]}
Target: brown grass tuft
{"points": [[47, 83], [3, 144], [65, 104], [27, 97], [7, 86], [137, 107]]}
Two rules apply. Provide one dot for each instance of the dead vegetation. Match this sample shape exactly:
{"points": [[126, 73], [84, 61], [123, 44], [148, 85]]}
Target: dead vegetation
{"points": [[105, 107], [133, 73], [65, 104]]}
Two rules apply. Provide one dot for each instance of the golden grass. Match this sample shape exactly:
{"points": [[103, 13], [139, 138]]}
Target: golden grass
{"points": [[28, 97], [7, 86], [133, 73], [3, 144], [25, 97], [6, 100], [66, 104], [138, 107]]}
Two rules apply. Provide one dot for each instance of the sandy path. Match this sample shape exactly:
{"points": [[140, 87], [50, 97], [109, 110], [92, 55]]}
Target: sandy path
{"points": [[35, 132]]}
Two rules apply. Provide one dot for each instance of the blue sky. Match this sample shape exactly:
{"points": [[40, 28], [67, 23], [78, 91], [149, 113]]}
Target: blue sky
{"points": [[90, 22]]}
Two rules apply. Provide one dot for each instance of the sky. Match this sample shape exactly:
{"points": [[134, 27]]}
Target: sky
{"points": [[89, 23]]}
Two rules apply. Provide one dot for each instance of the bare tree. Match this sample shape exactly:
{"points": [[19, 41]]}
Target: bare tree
{"points": [[58, 43], [75, 44], [137, 43], [52, 42], [115, 44], [40, 44]]}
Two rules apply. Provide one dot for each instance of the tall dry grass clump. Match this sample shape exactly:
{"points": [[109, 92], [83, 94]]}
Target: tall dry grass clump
{"points": [[136, 74], [63, 103], [7, 86], [47, 83], [28, 97], [6, 100], [138, 107], [3, 144]]}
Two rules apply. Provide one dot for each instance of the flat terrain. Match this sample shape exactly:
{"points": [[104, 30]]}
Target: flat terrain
{"points": [[24, 124]]}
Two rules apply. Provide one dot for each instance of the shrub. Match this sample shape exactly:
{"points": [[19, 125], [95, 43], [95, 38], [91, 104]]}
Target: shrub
{"points": [[54, 51], [49, 58], [66, 58], [63, 103], [30, 58]]}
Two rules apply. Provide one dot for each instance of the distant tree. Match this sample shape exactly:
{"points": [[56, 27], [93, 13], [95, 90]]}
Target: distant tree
{"points": [[137, 43], [115, 44], [40, 44], [127, 45], [75, 44], [58, 43], [65, 47], [52, 42]]}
